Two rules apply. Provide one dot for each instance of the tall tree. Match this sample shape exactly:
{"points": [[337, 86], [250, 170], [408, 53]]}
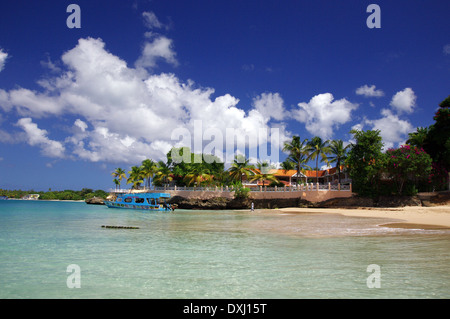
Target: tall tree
{"points": [[287, 165], [135, 177], [148, 169], [240, 167], [297, 153], [198, 175], [318, 148], [366, 161], [116, 181], [263, 174], [338, 155], [119, 174], [437, 142], [407, 164], [163, 174], [418, 137]]}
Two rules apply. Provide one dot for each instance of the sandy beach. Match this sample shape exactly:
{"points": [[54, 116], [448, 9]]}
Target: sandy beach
{"points": [[436, 217]]}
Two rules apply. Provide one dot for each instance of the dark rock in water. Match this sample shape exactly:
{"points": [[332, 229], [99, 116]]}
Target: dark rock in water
{"points": [[95, 201], [227, 203], [350, 202]]}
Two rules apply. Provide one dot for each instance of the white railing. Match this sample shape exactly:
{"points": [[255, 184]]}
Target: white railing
{"points": [[299, 188]]}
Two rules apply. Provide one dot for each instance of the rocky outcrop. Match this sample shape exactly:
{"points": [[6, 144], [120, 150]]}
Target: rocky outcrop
{"points": [[435, 198], [382, 201], [424, 199], [95, 201], [227, 203], [442, 198]]}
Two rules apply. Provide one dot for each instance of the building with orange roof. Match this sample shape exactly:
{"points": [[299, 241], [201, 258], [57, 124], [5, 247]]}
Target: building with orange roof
{"points": [[289, 177]]}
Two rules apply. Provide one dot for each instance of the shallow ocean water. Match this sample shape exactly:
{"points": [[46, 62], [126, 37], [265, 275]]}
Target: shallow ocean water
{"points": [[213, 254]]}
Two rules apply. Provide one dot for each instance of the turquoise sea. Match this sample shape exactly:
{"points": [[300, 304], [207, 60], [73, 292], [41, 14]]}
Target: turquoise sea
{"points": [[213, 254]]}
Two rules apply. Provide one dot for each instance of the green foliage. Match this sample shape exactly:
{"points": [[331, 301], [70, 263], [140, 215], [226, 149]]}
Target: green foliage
{"points": [[263, 175], [298, 156], [338, 155], [438, 178], [193, 169], [241, 167], [277, 184], [437, 141], [318, 148], [407, 164], [365, 161], [85, 193], [240, 192]]}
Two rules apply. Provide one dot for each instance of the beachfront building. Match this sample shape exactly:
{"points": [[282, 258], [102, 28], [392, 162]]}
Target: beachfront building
{"points": [[290, 178]]}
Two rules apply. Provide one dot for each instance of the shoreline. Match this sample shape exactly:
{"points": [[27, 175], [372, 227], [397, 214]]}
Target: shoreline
{"points": [[50, 200], [409, 217]]}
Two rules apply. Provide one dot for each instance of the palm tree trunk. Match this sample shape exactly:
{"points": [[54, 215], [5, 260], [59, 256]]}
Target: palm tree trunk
{"points": [[338, 168], [317, 169]]}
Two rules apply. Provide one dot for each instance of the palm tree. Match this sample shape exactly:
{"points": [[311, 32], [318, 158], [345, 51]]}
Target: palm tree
{"points": [[338, 155], [263, 174], [198, 174], [287, 165], [297, 153], [418, 138], [117, 182], [119, 174], [136, 177], [318, 148], [148, 168], [240, 167], [163, 173]]}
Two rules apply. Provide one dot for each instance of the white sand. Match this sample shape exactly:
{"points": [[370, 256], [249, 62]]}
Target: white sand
{"points": [[429, 217]]}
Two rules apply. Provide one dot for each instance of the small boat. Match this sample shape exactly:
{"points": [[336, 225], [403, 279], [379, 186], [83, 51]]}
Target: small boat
{"points": [[3, 197], [144, 201]]}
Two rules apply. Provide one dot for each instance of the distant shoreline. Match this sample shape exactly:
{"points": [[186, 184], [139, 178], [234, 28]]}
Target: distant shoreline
{"points": [[48, 200]]}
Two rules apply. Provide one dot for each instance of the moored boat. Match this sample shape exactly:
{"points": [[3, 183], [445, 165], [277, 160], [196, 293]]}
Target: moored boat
{"points": [[3, 197], [144, 201]]}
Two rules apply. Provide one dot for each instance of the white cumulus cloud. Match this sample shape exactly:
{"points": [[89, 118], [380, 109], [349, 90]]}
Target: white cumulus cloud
{"points": [[122, 114], [322, 115], [369, 91], [37, 136], [270, 105], [160, 48], [404, 101], [393, 130]]}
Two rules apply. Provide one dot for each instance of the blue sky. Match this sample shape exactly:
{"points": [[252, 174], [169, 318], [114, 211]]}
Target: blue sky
{"points": [[75, 103]]}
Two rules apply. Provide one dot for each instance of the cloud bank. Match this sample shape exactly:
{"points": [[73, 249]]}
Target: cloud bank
{"points": [[122, 114]]}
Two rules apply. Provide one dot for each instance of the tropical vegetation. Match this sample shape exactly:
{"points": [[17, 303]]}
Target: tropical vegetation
{"points": [[85, 193], [422, 164]]}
